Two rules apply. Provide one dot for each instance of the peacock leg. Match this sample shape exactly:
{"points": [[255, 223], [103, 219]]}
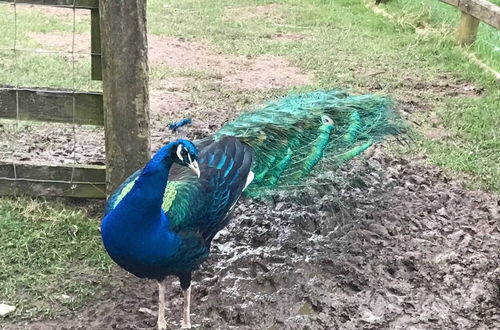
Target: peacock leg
{"points": [[186, 318], [162, 288]]}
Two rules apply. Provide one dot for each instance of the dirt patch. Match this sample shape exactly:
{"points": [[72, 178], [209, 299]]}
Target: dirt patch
{"points": [[262, 72], [436, 133], [52, 143], [166, 107], [288, 37], [384, 243], [174, 84], [267, 72], [63, 42], [66, 13], [234, 71], [271, 12], [443, 86]]}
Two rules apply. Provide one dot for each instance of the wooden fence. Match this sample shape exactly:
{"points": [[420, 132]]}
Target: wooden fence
{"points": [[124, 104], [473, 12]]}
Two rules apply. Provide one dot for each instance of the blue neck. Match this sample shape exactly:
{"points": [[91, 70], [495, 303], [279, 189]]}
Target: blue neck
{"points": [[147, 193]]}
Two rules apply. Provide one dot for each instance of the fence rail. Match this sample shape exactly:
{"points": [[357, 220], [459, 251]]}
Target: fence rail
{"points": [[84, 181], [47, 105], [83, 4], [474, 11]]}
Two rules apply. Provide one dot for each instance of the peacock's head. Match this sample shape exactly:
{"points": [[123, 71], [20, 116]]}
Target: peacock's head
{"points": [[184, 153]]}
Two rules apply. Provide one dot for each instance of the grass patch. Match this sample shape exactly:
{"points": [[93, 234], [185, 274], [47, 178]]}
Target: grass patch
{"points": [[426, 14], [34, 20], [46, 70], [50, 257], [475, 141], [34, 64]]}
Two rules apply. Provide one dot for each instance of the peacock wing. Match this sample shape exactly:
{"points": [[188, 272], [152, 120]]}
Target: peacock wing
{"points": [[185, 202], [201, 205]]}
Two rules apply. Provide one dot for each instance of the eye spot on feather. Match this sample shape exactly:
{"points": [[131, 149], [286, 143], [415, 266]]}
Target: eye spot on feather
{"points": [[325, 120]]}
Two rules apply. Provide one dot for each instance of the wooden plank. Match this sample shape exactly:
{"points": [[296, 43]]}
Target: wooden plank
{"points": [[83, 181], [9, 187], [125, 87], [75, 173], [84, 4], [483, 10], [467, 31], [95, 42], [52, 106], [8, 107]]}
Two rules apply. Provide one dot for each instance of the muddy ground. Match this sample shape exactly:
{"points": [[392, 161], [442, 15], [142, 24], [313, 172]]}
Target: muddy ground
{"points": [[387, 242]]}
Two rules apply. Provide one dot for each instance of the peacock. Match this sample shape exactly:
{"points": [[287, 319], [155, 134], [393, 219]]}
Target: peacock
{"points": [[163, 218]]}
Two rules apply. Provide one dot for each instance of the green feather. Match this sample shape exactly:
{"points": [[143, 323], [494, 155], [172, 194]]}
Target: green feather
{"points": [[263, 171], [281, 167], [182, 200], [318, 148], [354, 128], [122, 193], [354, 152], [169, 195], [289, 138]]}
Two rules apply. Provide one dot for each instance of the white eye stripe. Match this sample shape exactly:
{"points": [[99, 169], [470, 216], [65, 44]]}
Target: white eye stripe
{"points": [[179, 151], [189, 157]]}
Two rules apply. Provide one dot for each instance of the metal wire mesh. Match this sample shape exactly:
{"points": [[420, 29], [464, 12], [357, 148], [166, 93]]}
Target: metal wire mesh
{"points": [[11, 129]]}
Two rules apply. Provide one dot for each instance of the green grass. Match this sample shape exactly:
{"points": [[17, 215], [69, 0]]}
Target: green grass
{"points": [[45, 70], [48, 250], [432, 13], [37, 65]]}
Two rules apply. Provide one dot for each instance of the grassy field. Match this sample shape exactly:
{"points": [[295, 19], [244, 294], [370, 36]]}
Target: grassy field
{"points": [[439, 19], [342, 43], [43, 246]]}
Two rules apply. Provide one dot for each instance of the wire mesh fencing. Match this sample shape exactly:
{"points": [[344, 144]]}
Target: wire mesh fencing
{"points": [[46, 114]]}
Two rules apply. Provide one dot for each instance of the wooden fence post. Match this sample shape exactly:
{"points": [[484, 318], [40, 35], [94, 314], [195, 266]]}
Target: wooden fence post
{"points": [[95, 45], [125, 87], [474, 11], [467, 31]]}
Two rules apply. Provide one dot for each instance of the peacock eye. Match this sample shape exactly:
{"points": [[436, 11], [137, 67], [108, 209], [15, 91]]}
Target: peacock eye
{"points": [[181, 153]]}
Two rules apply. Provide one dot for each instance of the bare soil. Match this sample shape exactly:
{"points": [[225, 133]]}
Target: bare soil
{"points": [[237, 72], [79, 43], [385, 243]]}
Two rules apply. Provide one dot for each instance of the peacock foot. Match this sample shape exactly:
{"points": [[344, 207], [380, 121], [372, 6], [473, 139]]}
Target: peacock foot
{"points": [[186, 324], [162, 324]]}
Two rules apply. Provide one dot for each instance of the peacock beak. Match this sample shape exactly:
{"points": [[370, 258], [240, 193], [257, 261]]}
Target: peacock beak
{"points": [[194, 167]]}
